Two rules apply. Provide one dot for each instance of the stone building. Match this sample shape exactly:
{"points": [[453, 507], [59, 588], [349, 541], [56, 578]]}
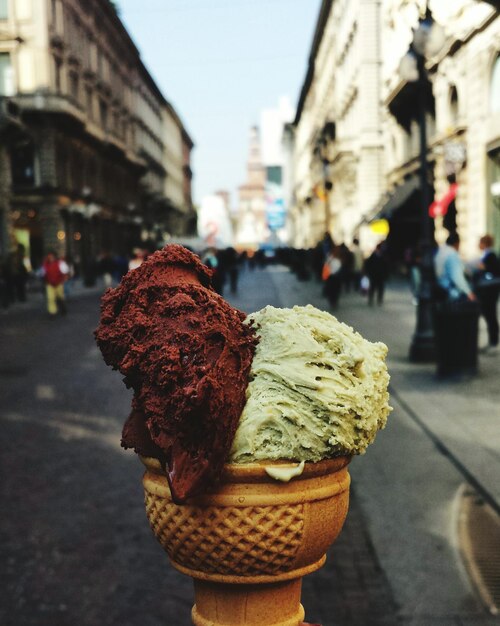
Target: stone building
{"points": [[338, 148], [356, 132], [463, 121], [90, 172], [181, 218]]}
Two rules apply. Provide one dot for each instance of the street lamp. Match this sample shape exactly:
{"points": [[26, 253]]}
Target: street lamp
{"points": [[428, 39]]}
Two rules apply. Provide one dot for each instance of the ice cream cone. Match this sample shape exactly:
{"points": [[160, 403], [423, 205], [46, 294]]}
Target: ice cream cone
{"points": [[248, 542]]}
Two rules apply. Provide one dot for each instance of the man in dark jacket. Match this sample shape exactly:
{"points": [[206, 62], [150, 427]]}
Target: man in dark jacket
{"points": [[376, 269], [487, 289]]}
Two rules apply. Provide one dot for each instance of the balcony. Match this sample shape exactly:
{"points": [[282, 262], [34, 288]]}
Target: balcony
{"points": [[50, 103]]}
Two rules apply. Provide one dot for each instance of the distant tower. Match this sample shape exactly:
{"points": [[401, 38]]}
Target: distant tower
{"points": [[251, 221], [256, 176]]}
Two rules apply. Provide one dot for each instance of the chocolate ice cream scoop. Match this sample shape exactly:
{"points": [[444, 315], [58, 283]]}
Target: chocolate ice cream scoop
{"points": [[187, 354]]}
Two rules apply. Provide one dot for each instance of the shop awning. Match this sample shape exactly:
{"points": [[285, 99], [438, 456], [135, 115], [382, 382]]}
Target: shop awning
{"points": [[440, 207], [399, 196], [393, 200]]}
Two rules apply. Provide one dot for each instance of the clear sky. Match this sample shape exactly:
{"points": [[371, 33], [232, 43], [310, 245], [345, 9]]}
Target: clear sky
{"points": [[220, 62]]}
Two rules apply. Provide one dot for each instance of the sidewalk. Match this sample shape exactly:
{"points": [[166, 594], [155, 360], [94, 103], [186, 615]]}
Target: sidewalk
{"points": [[441, 436]]}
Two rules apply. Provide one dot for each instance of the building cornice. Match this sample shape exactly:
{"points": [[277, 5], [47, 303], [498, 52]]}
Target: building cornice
{"points": [[324, 12], [115, 20], [185, 135], [454, 45]]}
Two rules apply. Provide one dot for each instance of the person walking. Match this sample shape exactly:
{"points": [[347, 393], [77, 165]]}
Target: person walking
{"points": [[212, 259], [106, 268], [332, 276], [347, 269], [486, 281], [19, 273], [376, 270], [55, 271], [232, 268], [358, 263], [138, 257], [450, 271]]}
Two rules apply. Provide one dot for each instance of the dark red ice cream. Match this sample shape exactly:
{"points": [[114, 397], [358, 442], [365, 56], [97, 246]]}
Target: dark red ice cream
{"points": [[187, 354]]}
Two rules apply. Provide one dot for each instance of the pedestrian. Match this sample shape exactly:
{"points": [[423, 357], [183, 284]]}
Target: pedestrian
{"points": [[358, 263], [332, 276], [376, 269], [67, 262], [450, 271], [347, 269], [486, 281], [232, 268], [137, 258], [55, 271], [106, 268], [120, 263], [212, 260], [19, 273]]}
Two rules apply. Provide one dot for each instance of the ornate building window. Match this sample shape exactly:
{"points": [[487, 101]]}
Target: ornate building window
{"points": [[495, 87]]}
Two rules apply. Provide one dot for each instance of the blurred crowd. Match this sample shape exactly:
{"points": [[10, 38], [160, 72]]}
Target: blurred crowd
{"points": [[339, 269]]}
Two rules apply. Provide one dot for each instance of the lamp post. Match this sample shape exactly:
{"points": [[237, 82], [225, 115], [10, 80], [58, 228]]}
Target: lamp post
{"points": [[428, 38]]}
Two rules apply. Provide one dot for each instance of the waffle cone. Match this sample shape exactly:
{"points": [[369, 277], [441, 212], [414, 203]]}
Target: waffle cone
{"points": [[248, 542]]}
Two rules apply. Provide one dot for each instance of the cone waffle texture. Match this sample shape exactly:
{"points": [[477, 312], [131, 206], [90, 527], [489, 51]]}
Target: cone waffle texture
{"points": [[252, 527]]}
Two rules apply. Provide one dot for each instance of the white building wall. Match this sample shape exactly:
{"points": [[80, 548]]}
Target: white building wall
{"points": [[28, 21], [356, 74], [368, 54], [468, 69]]}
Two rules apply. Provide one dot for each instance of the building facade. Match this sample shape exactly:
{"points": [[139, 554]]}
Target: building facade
{"points": [[357, 130], [338, 153], [90, 172], [463, 123], [177, 188]]}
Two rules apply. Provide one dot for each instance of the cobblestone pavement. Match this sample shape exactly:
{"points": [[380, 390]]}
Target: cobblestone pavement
{"points": [[75, 545]]}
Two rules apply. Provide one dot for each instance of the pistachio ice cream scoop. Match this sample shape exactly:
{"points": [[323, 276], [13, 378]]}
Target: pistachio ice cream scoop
{"points": [[317, 389]]}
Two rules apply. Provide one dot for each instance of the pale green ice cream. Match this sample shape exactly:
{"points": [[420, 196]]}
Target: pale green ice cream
{"points": [[317, 389]]}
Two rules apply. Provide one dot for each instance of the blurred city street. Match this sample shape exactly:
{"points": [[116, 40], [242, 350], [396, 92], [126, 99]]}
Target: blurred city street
{"points": [[322, 148], [76, 547]]}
